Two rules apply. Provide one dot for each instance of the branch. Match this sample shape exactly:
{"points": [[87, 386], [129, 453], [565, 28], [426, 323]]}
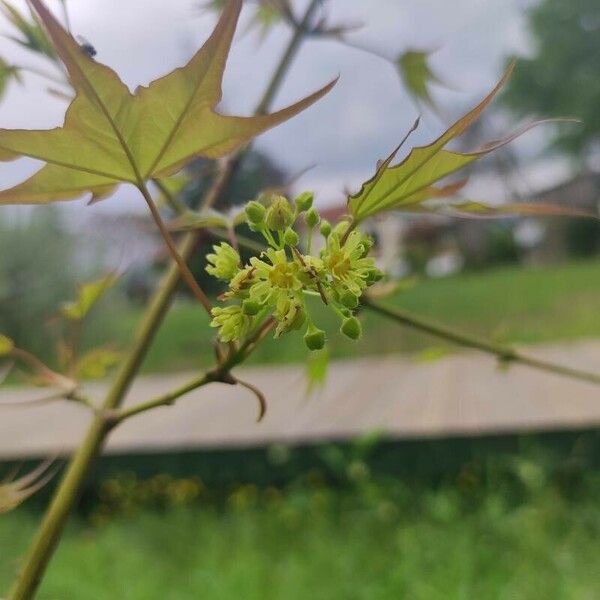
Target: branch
{"points": [[222, 373], [186, 274], [117, 417], [504, 353]]}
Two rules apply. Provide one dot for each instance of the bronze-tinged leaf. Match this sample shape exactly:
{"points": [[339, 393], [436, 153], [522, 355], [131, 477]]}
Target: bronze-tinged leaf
{"points": [[13, 492], [474, 209], [111, 136], [408, 184]]}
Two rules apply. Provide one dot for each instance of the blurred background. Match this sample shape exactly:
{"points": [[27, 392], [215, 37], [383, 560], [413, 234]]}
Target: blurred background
{"points": [[410, 470]]}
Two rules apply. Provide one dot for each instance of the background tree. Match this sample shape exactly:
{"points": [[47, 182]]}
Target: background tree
{"points": [[566, 58]]}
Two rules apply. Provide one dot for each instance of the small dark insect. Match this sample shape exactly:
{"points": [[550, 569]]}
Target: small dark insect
{"points": [[86, 46]]}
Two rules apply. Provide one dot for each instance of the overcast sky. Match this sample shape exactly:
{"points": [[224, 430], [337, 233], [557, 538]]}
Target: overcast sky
{"points": [[344, 134]]}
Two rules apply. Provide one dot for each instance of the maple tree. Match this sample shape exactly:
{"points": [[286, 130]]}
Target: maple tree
{"points": [[112, 136]]}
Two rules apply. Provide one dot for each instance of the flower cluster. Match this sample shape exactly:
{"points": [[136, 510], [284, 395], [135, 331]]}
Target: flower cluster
{"points": [[277, 283]]}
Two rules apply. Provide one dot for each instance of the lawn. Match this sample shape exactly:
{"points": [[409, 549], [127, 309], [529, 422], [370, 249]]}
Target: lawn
{"points": [[512, 304], [544, 548]]}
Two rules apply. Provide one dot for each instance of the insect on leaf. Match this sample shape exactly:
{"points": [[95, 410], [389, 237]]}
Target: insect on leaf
{"points": [[87, 296], [417, 75], [111, 136], [409, 184]]}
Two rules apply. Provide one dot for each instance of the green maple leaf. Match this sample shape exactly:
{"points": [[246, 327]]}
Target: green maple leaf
{"points": [[112, 136], [417, 75], [409, 185]]}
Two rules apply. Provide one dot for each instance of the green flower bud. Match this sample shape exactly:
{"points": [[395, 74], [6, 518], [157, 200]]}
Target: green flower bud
{"points": [[290, 237], [341, 228], [351, 328], [325, 228], [255, 212], [373, 276], [348, 299], [314, 338], [312, 218], [250, 307], [304, 201], [279, 215]]}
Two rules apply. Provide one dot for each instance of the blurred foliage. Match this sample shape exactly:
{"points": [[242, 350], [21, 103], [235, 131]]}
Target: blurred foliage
{"points": [[561, 78], [582, 238], [37, 272], [418, 76]]}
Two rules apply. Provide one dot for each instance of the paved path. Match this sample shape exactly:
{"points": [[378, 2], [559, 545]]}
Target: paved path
{"points": [[461, 394]]}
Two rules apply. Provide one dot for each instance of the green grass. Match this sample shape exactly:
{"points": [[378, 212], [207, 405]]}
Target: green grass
{"points": [[545, 548], [512, 304]]}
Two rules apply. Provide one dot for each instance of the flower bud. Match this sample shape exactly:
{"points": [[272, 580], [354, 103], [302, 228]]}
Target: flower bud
{"points": [[255, 212], [250, 307], [290, 237], [312, 218], [373, 276], [325, 228], [314, 338], [304, 201], [348, 299], [351, 328], [341, 228], [279, 215]]}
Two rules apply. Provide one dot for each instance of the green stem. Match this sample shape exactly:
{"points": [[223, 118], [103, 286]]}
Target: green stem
{"points": [[186, 274], [164, 400], [53, 522], [504, 353], [221, 373]]}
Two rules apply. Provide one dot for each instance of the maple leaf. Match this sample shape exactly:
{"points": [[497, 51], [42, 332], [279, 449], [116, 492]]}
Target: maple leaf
{"points": [[112, 136], [409, 185], [417, 75]]}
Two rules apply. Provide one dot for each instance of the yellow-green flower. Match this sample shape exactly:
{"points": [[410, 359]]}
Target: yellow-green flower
{"points": [[224, 263], [273, 279], [289, 314], [232, 322], [347, 264]]}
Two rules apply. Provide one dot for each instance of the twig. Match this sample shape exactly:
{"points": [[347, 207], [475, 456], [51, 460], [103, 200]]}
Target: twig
{"points": [[186, 274], [504, 353]]}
